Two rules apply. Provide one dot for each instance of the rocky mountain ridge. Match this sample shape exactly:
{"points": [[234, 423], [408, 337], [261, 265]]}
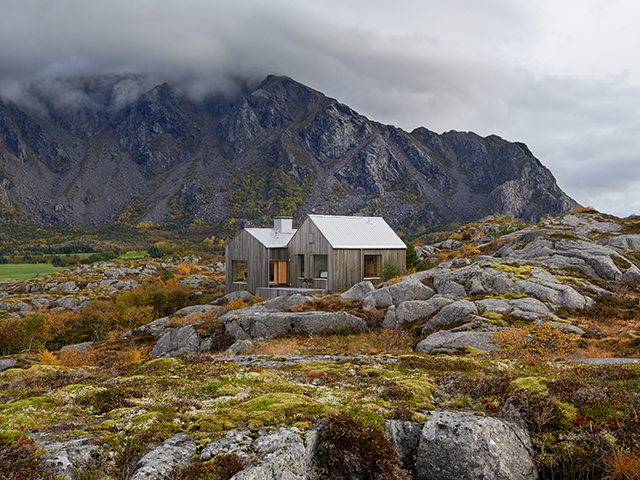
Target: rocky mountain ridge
{"points": [[85, 153]]}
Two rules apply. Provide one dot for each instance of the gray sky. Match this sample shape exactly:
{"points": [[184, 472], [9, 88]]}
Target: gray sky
{"points": [[562, 76]]}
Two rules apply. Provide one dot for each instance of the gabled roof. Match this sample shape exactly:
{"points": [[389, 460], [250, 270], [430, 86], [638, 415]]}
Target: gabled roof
{"points": [[269, 238], [357, 232]]}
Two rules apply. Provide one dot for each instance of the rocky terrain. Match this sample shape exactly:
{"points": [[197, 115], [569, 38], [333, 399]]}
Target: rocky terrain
{"points": [[514, 357], [87, 151]]}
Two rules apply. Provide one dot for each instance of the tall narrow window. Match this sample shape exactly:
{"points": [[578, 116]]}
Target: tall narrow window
{"points": [[301, 270], [320, 266], [239, 271], [371, 266]]}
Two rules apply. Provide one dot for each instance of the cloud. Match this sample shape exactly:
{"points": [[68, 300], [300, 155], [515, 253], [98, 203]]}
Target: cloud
{"points": [[562, 77]]}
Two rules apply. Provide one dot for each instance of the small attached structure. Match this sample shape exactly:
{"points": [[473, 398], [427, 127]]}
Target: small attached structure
{"points": [[328, 253], [258, 257]]}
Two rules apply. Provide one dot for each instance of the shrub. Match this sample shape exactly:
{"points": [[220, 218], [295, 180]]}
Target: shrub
{"points": [[347, 449], [223, 467], [19, 460], [389, 271], [540, 342]]}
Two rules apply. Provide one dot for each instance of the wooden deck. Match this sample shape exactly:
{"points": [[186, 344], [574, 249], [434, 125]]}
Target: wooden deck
{"points": [[270, 292]]}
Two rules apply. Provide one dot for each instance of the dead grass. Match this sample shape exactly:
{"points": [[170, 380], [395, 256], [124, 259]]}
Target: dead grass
{"points": [[390, 342], [620, 465]]}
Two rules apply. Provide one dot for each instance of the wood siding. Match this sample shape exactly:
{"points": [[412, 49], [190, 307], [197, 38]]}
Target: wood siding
{"points": [[344, 266], [247, 247], [299, 245]]}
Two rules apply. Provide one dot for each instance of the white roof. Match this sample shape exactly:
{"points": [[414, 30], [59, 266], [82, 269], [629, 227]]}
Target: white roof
{"points": [[357, 232], [269, 238]]}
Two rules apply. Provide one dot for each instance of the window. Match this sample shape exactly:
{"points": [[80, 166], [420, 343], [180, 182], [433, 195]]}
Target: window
{"points": [[239, 271], [301, 271], [371, 266], [320, 266], [277, 273]]}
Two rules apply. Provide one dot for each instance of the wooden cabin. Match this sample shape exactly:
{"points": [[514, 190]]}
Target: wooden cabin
{"points": [[328, 253]]}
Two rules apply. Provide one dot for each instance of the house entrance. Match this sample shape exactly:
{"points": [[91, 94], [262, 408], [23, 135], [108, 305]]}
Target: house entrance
{"points": [[277, 273]]}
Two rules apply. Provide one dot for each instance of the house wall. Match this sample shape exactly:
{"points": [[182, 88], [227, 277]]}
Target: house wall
{"points": [[348, 265], [246, 247], [299, 245]]}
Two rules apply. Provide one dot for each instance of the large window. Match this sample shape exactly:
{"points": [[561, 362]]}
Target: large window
{"points": [[320, 266], [371, 266], [239, 271]]}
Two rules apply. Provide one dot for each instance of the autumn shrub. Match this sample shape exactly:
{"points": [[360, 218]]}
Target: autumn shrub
{"points": [[621, 464], [348, 448], [541, 342], [222, 467], [48, 358], [19, 460]]}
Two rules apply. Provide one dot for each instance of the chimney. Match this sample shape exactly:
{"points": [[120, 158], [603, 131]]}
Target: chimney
{"points": [[283, 224]]}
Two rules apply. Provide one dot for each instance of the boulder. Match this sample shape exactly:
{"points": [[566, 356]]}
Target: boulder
{"points": [[40, 302], [243, 295], [414, 309], [66, 302], [555, 294], [6, 363], [378, 298], [283, 303], [475, 334], [157, 328], [160, 462], [231, 441], [78, 347], [452, 313], [66, 459], [282, 456], [410, 290], [267, 324], [358, 291], [239, 346], [66, 287], [180, 340], [466, 446], [623, 242], [632, 274], [403, 436]]}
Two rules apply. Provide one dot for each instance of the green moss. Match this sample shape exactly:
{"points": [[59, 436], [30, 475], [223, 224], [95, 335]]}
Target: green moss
{"points": [[10, 435], [569, 414], [422, 387], [274, 406], [535, 385], [206, 422], [495, 319], [516, 270]]}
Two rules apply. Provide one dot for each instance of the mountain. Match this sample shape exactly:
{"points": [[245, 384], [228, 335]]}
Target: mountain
{"points": [[94, 151]]}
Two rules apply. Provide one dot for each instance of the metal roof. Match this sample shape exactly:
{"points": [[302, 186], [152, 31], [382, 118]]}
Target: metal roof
{"points": [[269, 238], [357, 232]]}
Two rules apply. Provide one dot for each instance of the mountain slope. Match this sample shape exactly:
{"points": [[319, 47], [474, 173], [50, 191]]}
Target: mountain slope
{"points": [[92, 152]]}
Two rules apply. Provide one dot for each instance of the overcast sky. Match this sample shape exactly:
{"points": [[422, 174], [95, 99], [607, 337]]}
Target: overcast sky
{"points": [[562, 76]]}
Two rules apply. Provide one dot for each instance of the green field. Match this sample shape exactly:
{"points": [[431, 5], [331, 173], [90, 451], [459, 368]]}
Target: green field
{"points": [[133, 254], [13, 271]]}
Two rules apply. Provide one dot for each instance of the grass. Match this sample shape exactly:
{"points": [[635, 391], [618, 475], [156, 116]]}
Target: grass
{"points": [[23, 271], [13, 271]]}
